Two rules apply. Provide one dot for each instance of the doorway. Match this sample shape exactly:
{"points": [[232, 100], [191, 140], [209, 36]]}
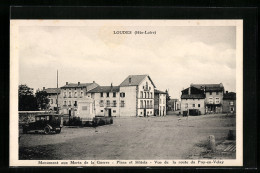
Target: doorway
{"points": [[109, 112], [144, 112]]}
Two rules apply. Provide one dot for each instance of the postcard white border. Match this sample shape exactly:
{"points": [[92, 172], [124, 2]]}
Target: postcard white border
{"points": [[14, 68]]}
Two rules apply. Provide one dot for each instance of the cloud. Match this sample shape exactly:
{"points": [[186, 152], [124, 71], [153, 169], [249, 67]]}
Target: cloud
{"points": [[84, 55]]}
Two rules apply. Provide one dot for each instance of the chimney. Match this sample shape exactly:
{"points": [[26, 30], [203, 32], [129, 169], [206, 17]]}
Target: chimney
{"points": [[67, 83], [226, 92], [129, 80], [78, 83], [93, 81], [111, 85], [189, 90], [43, 88]]}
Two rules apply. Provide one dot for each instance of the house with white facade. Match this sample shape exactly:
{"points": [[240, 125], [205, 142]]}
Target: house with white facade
{"points": [[137, 95], [159, 103], [106, 100], [52, 96], [71, 94]]}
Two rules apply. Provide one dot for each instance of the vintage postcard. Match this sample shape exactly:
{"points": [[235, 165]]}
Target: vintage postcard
{"points": [[126, 93]]}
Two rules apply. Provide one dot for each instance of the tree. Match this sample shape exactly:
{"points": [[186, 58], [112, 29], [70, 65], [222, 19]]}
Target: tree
{"points": [[42, 100], [27, 101], [168, 98]]}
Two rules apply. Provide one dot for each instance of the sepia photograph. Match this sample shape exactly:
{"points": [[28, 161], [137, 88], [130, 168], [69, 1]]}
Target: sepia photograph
{"points": [[126, 93]]}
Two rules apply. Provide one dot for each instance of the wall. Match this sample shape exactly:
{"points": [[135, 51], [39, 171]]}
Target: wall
{"points": [[162, 104], [100, 110], [148, 98], [53, 97], [129, 108], [190, 103], [227, 106], [213, 96]]}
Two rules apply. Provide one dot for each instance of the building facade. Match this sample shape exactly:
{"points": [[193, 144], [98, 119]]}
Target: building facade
{"points": [[214, 96], [71, 94], [159, 103], [52, 96], [137, 94], [193, 101], [229, 102], [106, 100]]}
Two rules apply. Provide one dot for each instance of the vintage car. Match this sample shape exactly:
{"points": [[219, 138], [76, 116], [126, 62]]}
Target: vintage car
{"points": [[45, 122]]}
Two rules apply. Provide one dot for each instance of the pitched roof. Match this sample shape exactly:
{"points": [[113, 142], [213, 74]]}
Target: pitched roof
{"points": [[159, 92], [209, 87], [229, 96], [104, 89], [76, 85], [52, 90], [193, 96], [135, 80]]}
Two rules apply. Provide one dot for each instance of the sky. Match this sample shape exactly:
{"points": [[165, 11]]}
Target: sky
{"points": [[174, 57]]}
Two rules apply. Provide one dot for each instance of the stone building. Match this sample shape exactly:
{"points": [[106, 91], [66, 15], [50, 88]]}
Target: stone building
{"points": [[229, 102], [52, 96], [137, 95], [159, 103], [71, 94], [214, 96], [193, 101], [106, 100]]}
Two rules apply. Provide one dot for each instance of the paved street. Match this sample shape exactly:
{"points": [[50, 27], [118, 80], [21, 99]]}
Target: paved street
{"points": [[128, 138]]}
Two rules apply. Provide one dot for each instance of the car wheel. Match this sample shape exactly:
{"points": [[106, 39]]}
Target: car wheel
{"points": [[47, 130], [58, 131]]}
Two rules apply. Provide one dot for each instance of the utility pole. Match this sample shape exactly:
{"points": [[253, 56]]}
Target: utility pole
{"points": [[57, 93]]}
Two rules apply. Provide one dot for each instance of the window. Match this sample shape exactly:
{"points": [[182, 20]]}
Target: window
{"points": [[75, 94], [217, 100], [101, 103], [51, 101], [114, 111], [210, 100], [122, 94], [114, 103], [148, 95], [81, 94], [151, 95], [142, 96], [108, 103], [144, 104], [151, 103], [101, 110], [198, 105], [107, 94], [48, 118], [69, 94], [65, 103], [69, 103], [141, 104], [65, 94], [217, 93], [186, 105], [75, 103], [193, 105], [149, 88], [101, 94], [210, 93], [114, 94], [122, 103], [231, 103]]}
